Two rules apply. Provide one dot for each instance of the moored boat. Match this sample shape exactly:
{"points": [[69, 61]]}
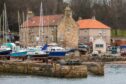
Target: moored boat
{"points": [[54, 50], [5, 52], [6, 48], [19, 53], [37, 52]]}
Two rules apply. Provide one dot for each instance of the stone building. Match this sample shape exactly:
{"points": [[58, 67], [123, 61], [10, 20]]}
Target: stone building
{"points": [[99, 44], [90, 29], [31, 31], [61, 29], [68, 30]]}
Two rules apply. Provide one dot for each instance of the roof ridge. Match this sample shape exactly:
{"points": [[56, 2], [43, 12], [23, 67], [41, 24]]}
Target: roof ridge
{"points": [[91, 23], [50, 15], [48, 20]]}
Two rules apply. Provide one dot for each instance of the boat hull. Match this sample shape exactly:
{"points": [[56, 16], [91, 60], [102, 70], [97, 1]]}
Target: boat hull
{"points": [[38, 55], [18, 54], [6, 52], [57, 54]]}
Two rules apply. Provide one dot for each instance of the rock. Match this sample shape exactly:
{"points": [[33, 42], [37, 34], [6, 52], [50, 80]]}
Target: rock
{"points": [[96, 68]]}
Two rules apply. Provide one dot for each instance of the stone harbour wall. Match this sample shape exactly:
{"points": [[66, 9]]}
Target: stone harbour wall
{"points": [[72, 71], [55, 70]]}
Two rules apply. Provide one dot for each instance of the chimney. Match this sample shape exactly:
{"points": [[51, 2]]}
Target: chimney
{"points": [[93, 18], [29, 14], [80, 18]]}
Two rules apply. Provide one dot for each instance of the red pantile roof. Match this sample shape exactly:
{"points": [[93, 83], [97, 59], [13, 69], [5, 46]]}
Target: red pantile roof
{"points": [[49, 20], [91, 23]]}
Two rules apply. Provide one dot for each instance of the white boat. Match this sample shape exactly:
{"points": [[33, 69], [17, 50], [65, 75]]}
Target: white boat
{"points": [[36, 52]]}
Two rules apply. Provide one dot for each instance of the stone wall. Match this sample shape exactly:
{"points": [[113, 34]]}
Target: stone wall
{"points": [[85, 35], [72, 71], [28, 35], [55, 70]]}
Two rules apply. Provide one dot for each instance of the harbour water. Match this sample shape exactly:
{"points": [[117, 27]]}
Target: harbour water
{"points": [[114, 74]]}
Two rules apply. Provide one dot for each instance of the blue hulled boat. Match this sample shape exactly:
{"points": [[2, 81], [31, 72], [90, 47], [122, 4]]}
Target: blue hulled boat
{"points": [[57, 53], [54, 50]]}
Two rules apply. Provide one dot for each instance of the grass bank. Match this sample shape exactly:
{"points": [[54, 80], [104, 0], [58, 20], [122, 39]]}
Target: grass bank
{"points": [[118, 33]]}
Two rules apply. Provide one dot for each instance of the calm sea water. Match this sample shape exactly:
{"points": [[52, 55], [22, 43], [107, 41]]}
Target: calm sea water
{"points": [[114, 74]]}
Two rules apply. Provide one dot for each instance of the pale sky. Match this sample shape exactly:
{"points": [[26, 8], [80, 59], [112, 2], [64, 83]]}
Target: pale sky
{"points": [[66, 0]]}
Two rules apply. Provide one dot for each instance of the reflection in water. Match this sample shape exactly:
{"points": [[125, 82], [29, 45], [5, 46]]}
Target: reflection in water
{"points": [[114, 74], [115, 69]]}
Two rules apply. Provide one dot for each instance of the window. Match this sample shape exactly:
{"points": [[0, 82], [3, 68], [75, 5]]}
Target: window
{"points": [[99, 45], [96, 45]]}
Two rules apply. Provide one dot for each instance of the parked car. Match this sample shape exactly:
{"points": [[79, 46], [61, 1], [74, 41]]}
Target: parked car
{"points": [[123, 50], [83, 47], [123, 53]]}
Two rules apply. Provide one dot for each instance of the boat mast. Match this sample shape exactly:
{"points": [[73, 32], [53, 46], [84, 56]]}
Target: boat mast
{"points": [[0, 28], [3, 25], [19, 23], [41, 30], [24, 27], [6, 23], [27, 32], [47, 32]]}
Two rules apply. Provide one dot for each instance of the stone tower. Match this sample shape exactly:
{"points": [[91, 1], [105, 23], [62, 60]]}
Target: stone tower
{"points": [[68, 30]]}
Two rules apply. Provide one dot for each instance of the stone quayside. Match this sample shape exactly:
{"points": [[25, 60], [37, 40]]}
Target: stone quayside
{"points": [[51, 70]]}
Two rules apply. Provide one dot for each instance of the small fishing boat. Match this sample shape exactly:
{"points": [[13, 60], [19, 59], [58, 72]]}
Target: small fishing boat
{"points": [[54, 50], [6, 48], [19, 55], [37, 52], [4, 52], [18, 52]]}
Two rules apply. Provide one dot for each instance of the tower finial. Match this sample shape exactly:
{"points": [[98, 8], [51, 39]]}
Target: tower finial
{"points": [[68, 11]]}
